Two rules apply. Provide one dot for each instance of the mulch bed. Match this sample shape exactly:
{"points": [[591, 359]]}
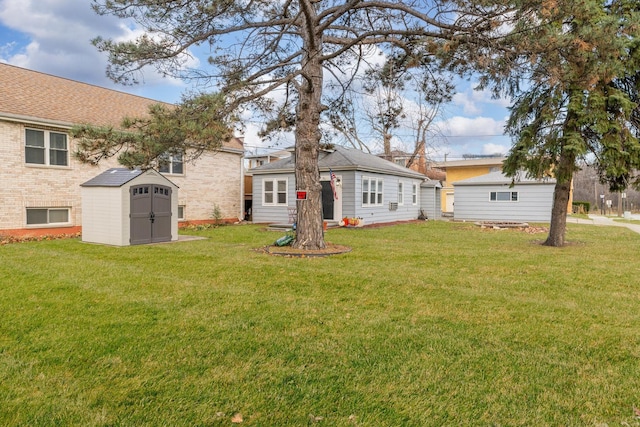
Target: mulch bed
{"points": [[5, 240], [288, 251]]}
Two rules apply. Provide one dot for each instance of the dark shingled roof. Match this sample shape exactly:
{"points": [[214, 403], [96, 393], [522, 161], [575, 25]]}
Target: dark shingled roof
{"points": [[114, 177], [342, 159]]}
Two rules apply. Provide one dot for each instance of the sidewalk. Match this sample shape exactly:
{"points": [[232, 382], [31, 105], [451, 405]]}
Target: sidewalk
{"points": [[603, 220]]}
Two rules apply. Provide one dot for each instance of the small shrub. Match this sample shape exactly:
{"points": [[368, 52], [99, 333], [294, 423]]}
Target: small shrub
{"points": [[216, 214], [581, 207]]}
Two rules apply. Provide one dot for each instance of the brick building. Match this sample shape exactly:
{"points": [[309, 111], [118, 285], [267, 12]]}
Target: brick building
{"points": [[40, 179]]}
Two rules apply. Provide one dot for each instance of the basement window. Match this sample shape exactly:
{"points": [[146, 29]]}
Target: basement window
{"points": [[48, 216]]}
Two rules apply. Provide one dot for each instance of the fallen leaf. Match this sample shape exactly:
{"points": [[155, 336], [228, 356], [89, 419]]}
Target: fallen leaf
{"points": [[315, 419], [237, 418]]}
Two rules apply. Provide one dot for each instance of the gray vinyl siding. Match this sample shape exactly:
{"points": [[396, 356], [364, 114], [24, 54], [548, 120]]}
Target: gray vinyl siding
{"points": [[382, 213], [534, 203], [430, 201], [277, 213], [349, 197]]}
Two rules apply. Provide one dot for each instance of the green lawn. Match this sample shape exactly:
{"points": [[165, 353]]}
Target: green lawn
{"points": [[426, 324]]}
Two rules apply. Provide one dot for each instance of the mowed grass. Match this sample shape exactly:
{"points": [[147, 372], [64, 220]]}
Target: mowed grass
{"points": [[426, 324]]}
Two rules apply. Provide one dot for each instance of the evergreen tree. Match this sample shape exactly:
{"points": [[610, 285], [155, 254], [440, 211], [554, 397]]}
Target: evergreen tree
{"points": [[272, 56], [571, 58]]}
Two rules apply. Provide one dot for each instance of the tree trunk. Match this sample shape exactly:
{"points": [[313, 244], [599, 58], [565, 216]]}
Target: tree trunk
{"points": [[561, 194], [558, 225], [309, 230], [386, 142], [564, 171]]}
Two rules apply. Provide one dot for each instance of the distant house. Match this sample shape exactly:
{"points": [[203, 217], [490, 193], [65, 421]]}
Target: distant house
{"points": [[491, 197], [253, 161], [416, 162], [458, 170], [366, 187], [41, 179]]}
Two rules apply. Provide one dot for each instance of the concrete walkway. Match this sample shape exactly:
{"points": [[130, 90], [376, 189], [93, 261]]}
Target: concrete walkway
{"points": [[603, 220]]}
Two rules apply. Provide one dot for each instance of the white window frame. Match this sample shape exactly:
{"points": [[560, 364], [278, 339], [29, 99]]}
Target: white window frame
{"points": [[414, 194], [48, 222], [400, 193], [506, 196], [377, 184], [275, 192], [172, 161], [47, 148], [182, 209]]}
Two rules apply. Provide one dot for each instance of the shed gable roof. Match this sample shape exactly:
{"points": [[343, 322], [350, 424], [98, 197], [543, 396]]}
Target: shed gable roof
{"points": [[117, 177]]}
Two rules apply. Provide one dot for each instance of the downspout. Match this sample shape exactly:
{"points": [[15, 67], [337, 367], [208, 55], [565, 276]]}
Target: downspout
{"points": [[241, 206]]}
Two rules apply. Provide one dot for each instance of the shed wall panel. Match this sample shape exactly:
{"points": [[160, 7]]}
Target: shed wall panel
{"points": [[102, 215]]}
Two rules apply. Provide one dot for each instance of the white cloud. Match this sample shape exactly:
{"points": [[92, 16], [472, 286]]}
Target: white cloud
{"points": [[476, 127], [477, 102], [492, 148], [59, 35]]}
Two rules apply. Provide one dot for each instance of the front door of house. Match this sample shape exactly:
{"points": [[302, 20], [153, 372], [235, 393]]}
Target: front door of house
{"points": [[150, 216], [327, 200]]}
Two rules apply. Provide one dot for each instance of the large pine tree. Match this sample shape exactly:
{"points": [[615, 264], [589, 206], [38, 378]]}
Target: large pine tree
{"points": [[273, 56], [571, 57]]}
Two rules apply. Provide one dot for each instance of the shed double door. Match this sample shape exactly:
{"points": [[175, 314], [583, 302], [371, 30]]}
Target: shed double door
{"points": [[150, 214]]}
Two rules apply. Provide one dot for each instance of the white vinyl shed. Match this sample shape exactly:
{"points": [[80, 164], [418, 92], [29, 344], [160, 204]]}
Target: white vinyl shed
{"points": [[124, 207], [491, 197]]}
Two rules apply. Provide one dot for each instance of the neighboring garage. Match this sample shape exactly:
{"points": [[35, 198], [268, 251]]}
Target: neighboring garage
{"points": [[491, 197], [129, 207]]}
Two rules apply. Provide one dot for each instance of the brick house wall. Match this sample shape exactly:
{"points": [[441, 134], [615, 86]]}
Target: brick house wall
{"points": [[214, 180], [33, 100]]}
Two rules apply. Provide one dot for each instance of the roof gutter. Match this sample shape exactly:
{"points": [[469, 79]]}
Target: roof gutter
{"points": [[30, 120]]}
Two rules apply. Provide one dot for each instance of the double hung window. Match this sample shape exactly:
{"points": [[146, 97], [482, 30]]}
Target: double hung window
{"points": [[172, 164], [274, 192], [371, 191], [43, 147]]}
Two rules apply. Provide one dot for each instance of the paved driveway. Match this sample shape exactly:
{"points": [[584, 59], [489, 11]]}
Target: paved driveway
{"points": [[603, 220]]}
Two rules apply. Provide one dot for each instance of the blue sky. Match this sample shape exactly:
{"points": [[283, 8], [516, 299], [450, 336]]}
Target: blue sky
{"points": [[53, 37]]}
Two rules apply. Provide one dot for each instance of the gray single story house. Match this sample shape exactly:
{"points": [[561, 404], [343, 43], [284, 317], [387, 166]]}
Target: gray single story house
{"points": [[366, 187], [491, 197]]}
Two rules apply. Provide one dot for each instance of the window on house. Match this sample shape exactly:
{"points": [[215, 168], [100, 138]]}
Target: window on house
{"points": [[414, 194], [47, 216], [171, 164], [371, 191], [43, 147], [274, 192], [180, 212], [504, 196], [400, 193]]}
